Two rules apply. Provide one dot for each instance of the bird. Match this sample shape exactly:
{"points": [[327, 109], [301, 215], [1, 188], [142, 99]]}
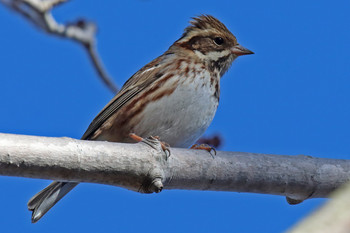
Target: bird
{"points": [[174, 97]]}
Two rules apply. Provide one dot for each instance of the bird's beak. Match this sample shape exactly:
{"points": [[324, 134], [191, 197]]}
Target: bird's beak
{"points": [[239, 50]]}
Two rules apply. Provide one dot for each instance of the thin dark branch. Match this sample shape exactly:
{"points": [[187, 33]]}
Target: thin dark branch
{"points": [[97, 62], [83, 32]]}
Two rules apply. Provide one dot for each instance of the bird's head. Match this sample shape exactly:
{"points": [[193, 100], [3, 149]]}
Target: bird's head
{"points": [[211, 42]]}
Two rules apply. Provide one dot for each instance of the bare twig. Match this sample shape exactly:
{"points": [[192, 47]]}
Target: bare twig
{"points": [[84, 32], [147, 169]]}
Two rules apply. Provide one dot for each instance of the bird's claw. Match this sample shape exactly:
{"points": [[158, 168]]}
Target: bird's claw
{"points": [[150, 141], [204, 147]]}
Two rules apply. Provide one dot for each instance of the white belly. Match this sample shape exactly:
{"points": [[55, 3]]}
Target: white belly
{"points": [[183, 116]]}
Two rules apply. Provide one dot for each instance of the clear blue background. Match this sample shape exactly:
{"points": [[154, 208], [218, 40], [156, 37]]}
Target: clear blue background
{"points": [[291, 97]]}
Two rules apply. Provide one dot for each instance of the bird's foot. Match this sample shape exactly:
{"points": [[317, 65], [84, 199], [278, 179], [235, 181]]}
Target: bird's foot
{"points": [[204, 147], [165, 146]]}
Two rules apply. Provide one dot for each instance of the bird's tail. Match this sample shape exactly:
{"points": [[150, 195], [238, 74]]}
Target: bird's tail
{"points": [[48, 197]]}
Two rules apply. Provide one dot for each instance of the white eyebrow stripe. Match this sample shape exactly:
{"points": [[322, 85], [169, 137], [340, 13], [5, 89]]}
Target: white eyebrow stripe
{"points": [[213, 56]]}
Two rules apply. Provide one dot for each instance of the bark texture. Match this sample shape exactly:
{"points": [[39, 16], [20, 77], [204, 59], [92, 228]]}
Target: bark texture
{"points": [[145, 167]]}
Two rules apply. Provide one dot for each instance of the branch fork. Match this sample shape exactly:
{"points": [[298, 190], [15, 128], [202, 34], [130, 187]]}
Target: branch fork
{"points": [[38, 12]]}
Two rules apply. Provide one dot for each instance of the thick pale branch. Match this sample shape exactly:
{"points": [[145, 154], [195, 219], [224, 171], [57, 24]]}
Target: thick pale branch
{"points": [[145, 168], [38, 12]]}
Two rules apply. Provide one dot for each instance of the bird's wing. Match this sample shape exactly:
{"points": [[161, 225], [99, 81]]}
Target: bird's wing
{"points": [[136, 84]]}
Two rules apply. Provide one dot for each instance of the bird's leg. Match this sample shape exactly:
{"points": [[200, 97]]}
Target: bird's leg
{"points": [[204, 147], [136, 137], [165, 146]]}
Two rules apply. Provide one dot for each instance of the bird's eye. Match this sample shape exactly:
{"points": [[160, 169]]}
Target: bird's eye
{"points": [[218, 40]]}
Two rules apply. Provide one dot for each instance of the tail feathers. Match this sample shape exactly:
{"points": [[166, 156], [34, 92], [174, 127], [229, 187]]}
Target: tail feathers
{"points": [[47, 198]]}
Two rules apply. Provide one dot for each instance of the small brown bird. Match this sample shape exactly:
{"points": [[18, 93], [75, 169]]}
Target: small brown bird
{"points": [[174, 97]]}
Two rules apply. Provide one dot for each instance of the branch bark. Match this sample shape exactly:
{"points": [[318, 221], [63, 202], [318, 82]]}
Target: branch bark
{"points": [[144, 167], [83, 32]]}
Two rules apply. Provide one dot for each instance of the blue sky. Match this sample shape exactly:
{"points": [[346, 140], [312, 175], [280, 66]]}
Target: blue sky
{"points": [[291, 97]]}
